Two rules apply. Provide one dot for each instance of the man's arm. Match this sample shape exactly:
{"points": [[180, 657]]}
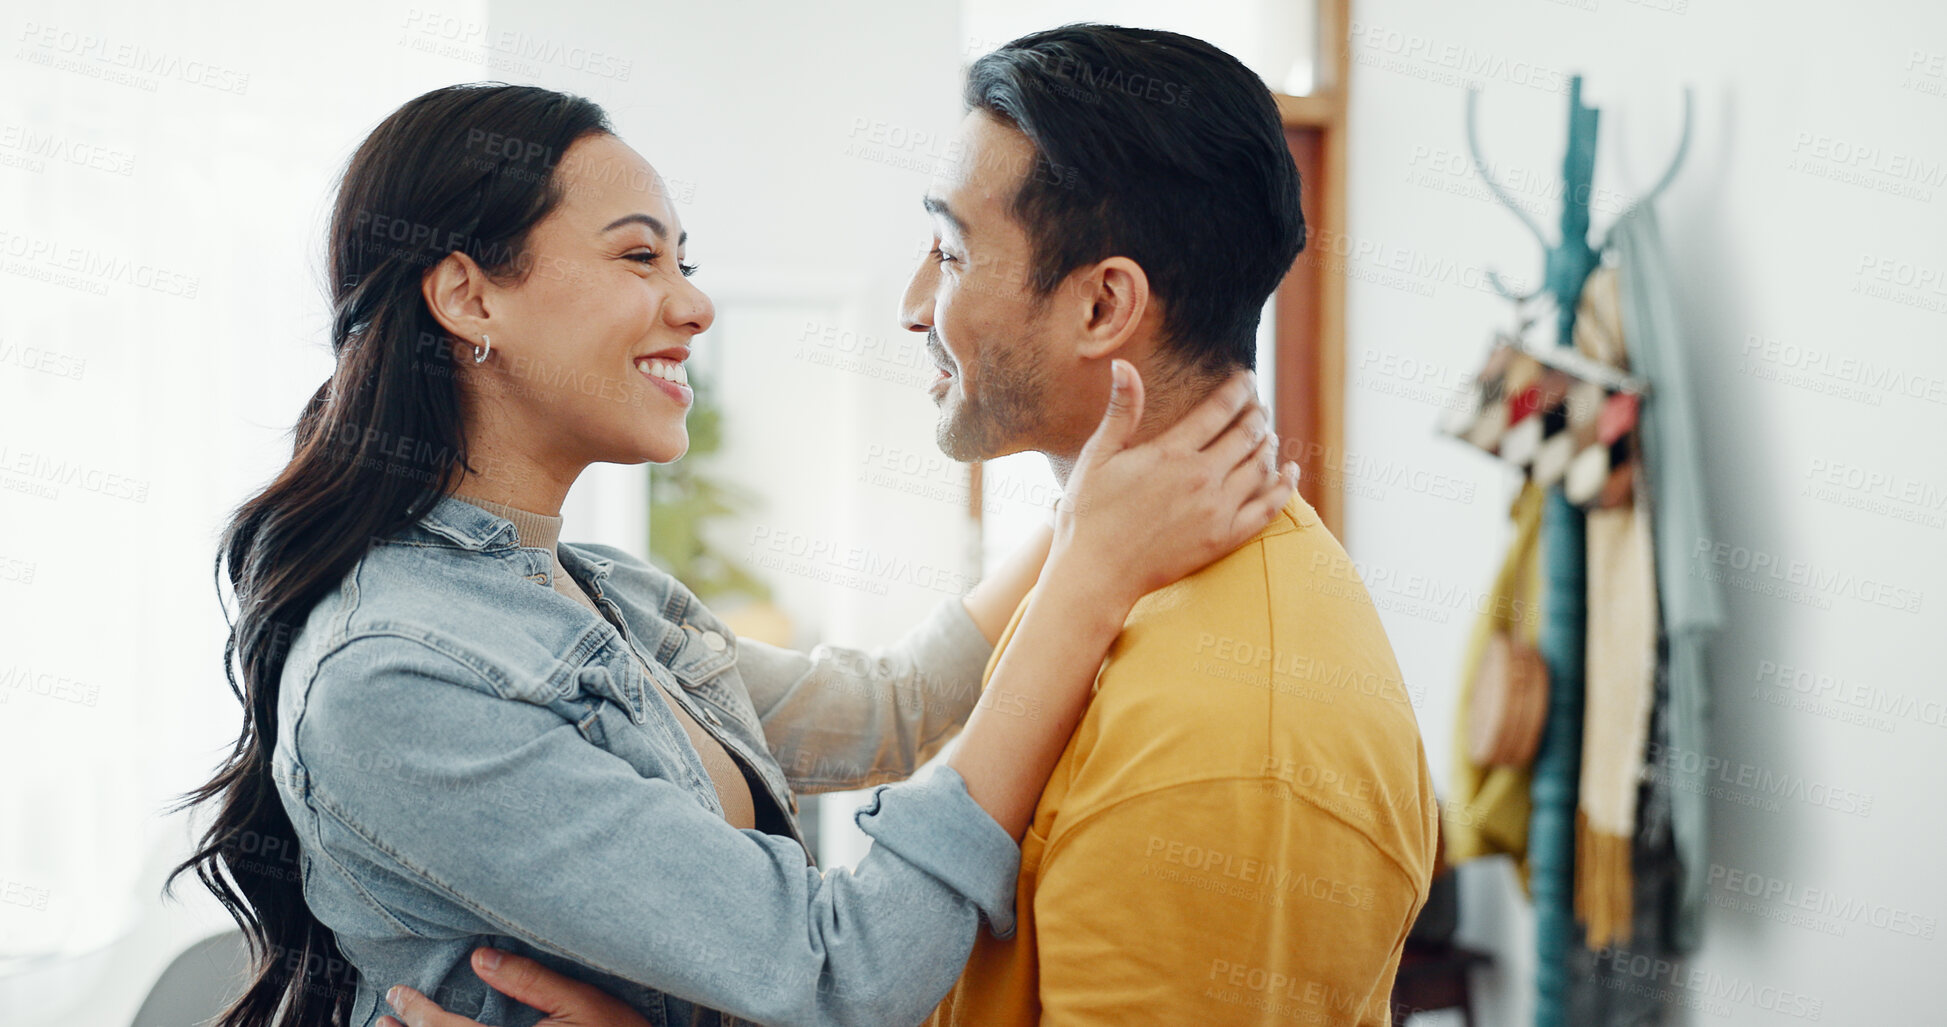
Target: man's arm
{"points": [[1214, 902]]}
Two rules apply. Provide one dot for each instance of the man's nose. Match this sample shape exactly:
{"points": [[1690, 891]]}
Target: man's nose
{"points": [[916, 307]]}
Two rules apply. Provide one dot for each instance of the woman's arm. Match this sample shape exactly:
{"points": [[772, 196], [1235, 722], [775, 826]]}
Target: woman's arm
{"points": [[586, 858], [454, 813], [991, 603], [838, 717], [845, 718], [1031, 704], [1117, 537]]}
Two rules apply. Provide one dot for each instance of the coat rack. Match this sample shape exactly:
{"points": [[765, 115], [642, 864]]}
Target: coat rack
{"points": [[1564, 626], [1566, 265]]}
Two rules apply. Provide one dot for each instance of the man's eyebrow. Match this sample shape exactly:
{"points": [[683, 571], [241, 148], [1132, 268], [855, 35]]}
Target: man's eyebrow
{"points": [[935, 205], [662, 231]]}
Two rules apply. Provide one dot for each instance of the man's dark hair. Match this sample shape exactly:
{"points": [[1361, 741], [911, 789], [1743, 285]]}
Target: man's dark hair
{"points": [[1158, 147]]}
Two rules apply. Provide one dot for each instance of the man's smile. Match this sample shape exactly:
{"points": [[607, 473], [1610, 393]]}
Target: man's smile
{"points": [[941, 359]]}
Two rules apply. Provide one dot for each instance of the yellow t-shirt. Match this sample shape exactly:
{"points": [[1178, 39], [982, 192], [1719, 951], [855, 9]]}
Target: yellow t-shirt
{"points": [[1242, 828]]}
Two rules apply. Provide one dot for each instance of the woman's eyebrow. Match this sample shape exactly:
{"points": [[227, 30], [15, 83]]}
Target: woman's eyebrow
{"points": [[644, 219]]}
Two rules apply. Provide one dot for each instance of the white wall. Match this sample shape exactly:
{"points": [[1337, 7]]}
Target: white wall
{"points": [[163, 184], [750, 116], [1818, 163], [763, 120], [216, 170], [797, 147]]}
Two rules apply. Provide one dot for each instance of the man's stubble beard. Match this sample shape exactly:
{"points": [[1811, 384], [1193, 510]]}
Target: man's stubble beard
{"points": [[1006, 417]]}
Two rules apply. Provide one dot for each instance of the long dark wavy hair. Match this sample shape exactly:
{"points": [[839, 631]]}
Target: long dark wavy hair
{"points": [[470, 169]]}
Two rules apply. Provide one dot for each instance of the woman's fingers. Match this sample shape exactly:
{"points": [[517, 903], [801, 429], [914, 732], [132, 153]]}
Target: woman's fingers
{"points": [[1209, 418], [1257, 488], [1119, 420], [1242, 439], [1263, 506], [1175, 502], [1253, 473]]}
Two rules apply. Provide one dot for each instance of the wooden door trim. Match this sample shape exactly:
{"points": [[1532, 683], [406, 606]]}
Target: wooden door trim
{"points": [[1309, 318]]}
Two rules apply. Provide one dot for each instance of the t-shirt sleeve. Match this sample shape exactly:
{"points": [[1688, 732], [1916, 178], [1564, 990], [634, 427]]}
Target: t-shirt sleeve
{"points": [[1217, 901]]}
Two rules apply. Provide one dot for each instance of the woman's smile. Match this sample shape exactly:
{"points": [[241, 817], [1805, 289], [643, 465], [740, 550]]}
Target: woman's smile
{"points": [[668, 375]]}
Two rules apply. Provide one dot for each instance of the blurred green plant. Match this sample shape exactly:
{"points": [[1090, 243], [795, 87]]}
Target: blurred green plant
{"points": [[684, 498]]}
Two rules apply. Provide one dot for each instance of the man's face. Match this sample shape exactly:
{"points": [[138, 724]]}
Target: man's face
{"points": [[989, 333]]}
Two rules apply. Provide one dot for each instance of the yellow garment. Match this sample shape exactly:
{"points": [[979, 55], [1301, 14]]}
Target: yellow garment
{"points": [[1487, 812], [1243, 826]]}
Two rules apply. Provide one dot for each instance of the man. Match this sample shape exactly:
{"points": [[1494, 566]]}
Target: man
{"points": [[1242, 828]]}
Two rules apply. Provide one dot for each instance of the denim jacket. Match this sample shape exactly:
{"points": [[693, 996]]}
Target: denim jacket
{"points": [[470, 758]]}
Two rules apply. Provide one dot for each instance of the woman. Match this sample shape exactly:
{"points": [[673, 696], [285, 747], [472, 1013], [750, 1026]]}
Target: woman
{"points": [[461, 731]]}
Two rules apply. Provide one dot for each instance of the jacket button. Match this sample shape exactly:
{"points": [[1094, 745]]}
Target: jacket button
{"points": [[713, 641]]}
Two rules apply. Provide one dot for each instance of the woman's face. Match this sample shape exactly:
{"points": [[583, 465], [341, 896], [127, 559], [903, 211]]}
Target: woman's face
{"points": [[589, 349]]}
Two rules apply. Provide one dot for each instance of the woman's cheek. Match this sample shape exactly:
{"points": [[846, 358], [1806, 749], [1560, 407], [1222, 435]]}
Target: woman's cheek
{"points": [[557, 270]]}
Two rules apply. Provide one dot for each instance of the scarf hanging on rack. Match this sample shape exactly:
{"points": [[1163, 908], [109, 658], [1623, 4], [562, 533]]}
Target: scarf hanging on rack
{"points": [[1621, 664]]}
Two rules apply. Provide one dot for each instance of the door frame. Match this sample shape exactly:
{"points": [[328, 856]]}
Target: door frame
{"points": [[1308, 319]]}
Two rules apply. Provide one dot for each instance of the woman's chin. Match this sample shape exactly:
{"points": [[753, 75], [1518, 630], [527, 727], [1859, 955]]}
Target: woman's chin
{"points": [[667, 450]]}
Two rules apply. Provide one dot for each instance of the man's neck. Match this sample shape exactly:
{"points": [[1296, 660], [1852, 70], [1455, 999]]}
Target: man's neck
{"points": [[1061, 465], [1165, 401]]}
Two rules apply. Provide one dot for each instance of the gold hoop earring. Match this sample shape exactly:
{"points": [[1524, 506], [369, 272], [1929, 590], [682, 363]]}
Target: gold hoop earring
{"points": [[480, 352]]}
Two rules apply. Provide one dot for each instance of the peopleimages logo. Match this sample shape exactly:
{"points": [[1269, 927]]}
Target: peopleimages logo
{"points": [[1859, 696], [1760, 571], [1823, 902], [95, 55], [26, 254], [1717, 989], [1756, 780], [507, 49]]}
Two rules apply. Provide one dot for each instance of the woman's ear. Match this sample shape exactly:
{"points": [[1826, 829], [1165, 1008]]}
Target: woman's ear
{"points": [[1115, 297], [455, 291]]}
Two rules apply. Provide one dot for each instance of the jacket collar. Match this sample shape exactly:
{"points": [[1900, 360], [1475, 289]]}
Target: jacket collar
{"points": [[479, 530], [588, 565], [468, 526]]}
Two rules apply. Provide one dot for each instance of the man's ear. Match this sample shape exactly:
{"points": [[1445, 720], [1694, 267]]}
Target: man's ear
{"points": [[456, 292], [1114, 297]]}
